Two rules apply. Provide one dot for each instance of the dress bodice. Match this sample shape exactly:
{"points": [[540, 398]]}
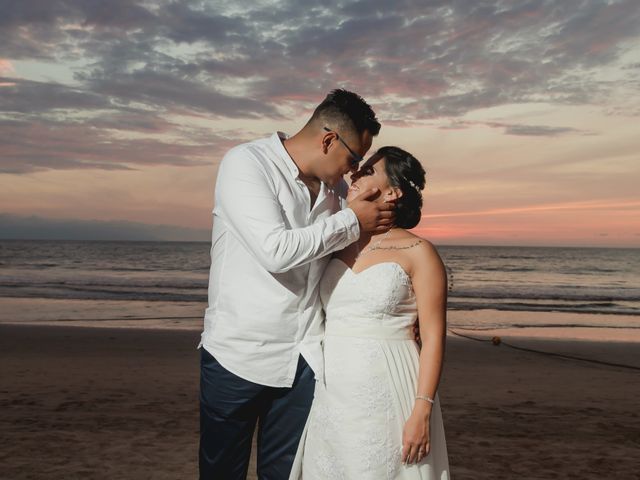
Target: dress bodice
{"points": [[379, 296]]}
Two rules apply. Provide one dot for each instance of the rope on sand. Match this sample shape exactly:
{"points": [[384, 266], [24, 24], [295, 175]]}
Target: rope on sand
{"points": [[498, 341]]}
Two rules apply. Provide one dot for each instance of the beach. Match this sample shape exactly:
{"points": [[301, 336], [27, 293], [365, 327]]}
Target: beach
{"points": [[108, 402]]}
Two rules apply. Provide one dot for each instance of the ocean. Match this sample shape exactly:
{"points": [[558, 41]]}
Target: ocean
{"points": [[581, 280]]}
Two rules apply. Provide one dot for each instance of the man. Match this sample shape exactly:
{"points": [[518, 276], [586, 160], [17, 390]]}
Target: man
{"points": [[279, 212]]}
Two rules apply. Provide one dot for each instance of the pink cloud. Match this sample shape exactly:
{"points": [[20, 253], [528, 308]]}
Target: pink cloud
{"points": [[604, 223], [586, 205], [6, 69]]}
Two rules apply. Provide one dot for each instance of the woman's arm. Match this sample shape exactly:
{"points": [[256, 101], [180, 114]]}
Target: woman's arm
{"points": [[429, 280]]}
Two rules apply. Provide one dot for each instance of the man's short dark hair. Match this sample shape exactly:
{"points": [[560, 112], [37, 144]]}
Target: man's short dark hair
{"points": [[346, 111]]}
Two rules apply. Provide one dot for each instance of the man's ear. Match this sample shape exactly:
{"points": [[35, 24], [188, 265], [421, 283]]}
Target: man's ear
{"points": [[327, 139]]}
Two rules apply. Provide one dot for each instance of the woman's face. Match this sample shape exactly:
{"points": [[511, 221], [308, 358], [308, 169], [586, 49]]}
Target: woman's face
{"points": [[371, 174]]}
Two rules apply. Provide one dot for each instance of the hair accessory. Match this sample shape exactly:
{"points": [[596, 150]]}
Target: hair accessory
{"points": [[412, 183]]}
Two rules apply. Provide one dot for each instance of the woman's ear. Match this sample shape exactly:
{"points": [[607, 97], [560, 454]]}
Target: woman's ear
{"points": [[394, 193]]}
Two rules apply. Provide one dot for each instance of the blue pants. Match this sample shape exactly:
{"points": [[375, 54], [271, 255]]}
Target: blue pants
{"points": [[230, 407]]}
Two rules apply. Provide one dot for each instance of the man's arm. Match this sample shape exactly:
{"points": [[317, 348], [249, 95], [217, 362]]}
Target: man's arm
{"points": [[246, 199]]}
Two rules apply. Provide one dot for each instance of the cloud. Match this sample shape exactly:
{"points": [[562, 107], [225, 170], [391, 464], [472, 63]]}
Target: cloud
{"points": [[570, 206], [537, 130], [166, 92], [455, 56], [516, 129], [272, 59], [29, 146], [25, 96], [6, 68]]}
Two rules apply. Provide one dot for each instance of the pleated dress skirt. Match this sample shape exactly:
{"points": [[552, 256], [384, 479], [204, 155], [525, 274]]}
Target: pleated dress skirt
{"points": [[354, 429]]}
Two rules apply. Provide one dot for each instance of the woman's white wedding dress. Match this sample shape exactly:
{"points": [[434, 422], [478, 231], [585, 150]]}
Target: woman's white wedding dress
{"points": [[354, 430]]}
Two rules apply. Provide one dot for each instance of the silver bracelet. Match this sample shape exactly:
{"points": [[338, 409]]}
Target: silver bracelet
{"points": [[426, 398]]}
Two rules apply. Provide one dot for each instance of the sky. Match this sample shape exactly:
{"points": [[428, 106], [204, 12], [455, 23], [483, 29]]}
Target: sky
{"points": [[114, 115]]}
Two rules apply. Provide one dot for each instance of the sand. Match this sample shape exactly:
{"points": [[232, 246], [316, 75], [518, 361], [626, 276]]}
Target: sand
{"points": [[96, 403], [188, 316]]}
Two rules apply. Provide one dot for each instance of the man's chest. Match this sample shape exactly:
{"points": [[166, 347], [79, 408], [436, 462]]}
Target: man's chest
{"points": [[301, 206]]}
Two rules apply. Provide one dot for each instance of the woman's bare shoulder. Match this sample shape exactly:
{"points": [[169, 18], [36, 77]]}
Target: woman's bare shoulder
{"points": [[423, 246], [423, 254]]}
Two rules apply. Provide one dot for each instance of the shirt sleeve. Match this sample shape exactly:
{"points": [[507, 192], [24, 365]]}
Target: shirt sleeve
{"points": [[245, 198]]}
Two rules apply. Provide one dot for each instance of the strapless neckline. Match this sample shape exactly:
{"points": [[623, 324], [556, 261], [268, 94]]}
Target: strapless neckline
{"points": [[370, 267]]}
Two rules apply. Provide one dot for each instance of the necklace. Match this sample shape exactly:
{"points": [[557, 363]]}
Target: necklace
{"points": [[376, 246], [373, 247]]}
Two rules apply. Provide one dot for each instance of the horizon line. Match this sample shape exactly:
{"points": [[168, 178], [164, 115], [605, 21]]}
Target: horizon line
{"points": [[208, 242]]}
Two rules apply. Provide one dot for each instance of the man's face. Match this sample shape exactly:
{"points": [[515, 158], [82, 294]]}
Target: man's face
{"points": [[341, 159]]}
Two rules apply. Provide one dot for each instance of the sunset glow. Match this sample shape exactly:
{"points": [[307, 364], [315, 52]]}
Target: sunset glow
{"points": [[524, 114]]}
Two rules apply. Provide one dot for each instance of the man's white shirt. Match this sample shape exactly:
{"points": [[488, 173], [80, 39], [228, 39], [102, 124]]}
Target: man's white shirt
{"points": [[269, 250]]}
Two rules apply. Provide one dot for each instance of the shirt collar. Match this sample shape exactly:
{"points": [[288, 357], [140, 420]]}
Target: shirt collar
{"points": [[277, 139]]}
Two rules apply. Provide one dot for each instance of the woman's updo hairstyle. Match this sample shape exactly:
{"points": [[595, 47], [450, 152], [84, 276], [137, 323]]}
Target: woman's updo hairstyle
{"points": [[406, 173]]}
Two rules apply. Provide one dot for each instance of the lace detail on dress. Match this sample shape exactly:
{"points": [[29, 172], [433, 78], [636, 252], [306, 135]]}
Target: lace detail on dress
{"points": [[376, 445], [401, 283], [328, 466], [325, 421], [358, 414], [388, 285]]}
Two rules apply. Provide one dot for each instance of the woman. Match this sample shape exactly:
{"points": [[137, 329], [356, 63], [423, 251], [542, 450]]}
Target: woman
{"points": [[377, 415]]}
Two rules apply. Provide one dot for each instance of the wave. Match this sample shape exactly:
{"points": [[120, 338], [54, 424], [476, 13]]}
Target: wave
{"points": [[99, 284], [106, 295], [564, 296], [533, 307], [503, 278], [593, 270], [620, 294], [200, 295], [504, 269], [542, 325]]}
